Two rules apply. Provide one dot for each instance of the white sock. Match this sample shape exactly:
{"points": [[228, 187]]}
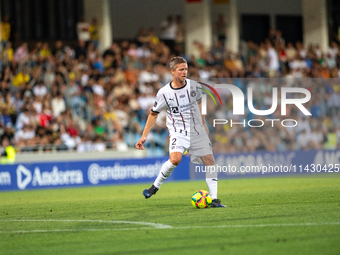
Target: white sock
{"points": [[165, 172], [211, 179]]}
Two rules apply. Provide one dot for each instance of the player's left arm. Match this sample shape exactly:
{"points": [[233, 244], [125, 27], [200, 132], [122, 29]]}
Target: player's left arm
{"points": [[203, 116]]}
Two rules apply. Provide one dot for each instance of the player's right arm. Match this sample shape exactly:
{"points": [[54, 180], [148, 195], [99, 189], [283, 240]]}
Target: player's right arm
{"points": [[148, 126], [157, 107]]}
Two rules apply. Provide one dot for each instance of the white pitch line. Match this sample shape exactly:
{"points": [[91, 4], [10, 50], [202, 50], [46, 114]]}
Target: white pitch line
{"points": [[148, 228], [263, 225], [155, 225], [69, 230]]}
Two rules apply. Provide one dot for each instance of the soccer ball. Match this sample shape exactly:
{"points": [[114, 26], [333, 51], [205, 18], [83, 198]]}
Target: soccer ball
{"points": [[201, 199]]}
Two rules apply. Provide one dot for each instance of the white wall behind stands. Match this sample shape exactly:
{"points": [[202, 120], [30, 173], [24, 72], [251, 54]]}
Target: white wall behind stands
{"points": [[129, 15], [75, 156], [100, 9], [315, 22]]}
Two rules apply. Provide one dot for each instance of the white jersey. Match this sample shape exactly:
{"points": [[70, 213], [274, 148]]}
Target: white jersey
{"points": [[183, 114]]}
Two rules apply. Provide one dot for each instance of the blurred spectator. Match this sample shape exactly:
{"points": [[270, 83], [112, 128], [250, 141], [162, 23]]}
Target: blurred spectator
{"points": [[21, 54], [80, 50], [58, 104], [83, 31], [85, 145], [180, 36], [67, 139], [333, 103], [7, 54], [24, 118], [40, 89], [331, 140], [58, 50], [94, 33], [152, 36], [75, 100], [5, 118], [5, 31], [21, 78], [142, 38], [8, 152], [8, 132], [98, 144], [220, 28], [273, 60], [290, 52], [333, 50], [26, 133], [279, 39], [168, 32], [272, 36], [45, 51]]}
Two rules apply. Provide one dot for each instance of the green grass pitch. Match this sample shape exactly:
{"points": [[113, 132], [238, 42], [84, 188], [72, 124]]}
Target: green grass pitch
{"points": [[264, 216]]}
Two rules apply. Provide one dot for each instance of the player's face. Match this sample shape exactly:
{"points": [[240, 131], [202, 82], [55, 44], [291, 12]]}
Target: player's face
{"points": [[180, 72]]}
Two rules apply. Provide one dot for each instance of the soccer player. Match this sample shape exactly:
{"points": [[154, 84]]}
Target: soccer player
{"points": [[186, 126]]}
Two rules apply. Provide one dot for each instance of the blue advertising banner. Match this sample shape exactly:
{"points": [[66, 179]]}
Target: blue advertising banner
{"points": [[126, 171], [272, 163], [86, 173]]}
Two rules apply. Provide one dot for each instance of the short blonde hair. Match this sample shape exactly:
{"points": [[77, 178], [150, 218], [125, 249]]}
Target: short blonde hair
{"points": [[175, 61]]}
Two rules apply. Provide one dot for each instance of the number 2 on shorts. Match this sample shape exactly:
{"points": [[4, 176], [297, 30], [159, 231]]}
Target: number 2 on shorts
{"points": [[174, 141]]}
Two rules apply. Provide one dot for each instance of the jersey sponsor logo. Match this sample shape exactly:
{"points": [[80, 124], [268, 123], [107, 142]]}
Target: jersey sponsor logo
{"points": [[155, 104], [193, 93], [174, 110]]}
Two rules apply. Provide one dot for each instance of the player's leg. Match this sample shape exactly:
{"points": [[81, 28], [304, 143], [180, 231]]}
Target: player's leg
{"points": [[211, 179], [211, 174], [201, 152], [166, 170], [178, 144]]}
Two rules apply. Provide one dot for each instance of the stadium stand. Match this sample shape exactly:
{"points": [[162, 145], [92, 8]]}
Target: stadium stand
{"points": [[64, 97]]}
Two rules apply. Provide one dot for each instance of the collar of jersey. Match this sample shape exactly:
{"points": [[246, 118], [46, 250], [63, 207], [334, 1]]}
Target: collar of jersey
{"points": [[178, 88]]}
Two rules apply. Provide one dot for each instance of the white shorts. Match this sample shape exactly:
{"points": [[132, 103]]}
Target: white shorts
{"points": [[197, 146]]}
